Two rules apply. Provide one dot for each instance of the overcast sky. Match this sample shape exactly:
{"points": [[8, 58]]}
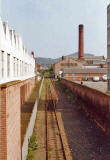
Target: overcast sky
{"points": [[50, 27]]}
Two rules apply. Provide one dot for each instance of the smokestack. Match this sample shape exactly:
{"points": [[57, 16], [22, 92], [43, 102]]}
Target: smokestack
{"points": [[81, 42], [32, 54]]}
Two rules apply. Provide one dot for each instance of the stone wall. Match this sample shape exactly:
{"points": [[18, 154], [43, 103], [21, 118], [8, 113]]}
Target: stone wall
{"points": [[10, 118], [96, 103]]}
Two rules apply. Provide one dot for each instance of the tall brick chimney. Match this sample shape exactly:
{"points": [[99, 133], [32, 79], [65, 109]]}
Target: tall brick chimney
{"points": [[32, 54], [81, 42]]}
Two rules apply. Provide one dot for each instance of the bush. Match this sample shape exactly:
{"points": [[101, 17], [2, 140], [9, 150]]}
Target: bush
{"points": [[30, 155], [33, 142], [33, 145]]}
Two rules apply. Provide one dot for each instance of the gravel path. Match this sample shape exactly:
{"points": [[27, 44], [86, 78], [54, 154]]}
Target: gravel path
{"points": [[86, 140]]}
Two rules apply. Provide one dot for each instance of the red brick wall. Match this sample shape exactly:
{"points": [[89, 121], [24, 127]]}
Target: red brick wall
{"points": [[97, 103], [10, 119], [3, 130], [38, 67], [13, 123], [80, 76]]}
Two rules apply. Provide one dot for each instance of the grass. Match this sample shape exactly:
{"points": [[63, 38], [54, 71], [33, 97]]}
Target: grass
{"points": [[25, 117], [51, 154], [57, 132], [33, 145]]}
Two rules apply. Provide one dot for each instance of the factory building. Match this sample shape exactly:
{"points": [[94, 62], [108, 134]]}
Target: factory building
{"points": [[77, 74], [16, 63], [17, 79], [83, 63], [66, 62]]}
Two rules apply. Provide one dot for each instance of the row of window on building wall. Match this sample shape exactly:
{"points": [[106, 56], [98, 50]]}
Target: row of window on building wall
{"points": [[20, 68], [68, 64]]}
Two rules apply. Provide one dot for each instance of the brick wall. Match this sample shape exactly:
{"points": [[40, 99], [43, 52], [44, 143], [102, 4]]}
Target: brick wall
{"points": [[30, 127], [97, 103], [13, 122], [3, 131], [80, 76], [25, 89], [62, 64], [10, 119]]}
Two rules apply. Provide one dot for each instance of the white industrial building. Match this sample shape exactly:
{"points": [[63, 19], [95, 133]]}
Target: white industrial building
{"points": [[16, 63]]}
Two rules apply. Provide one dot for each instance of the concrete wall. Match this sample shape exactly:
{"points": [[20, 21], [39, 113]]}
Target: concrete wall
{"points": [[97, 103], [16, 63], [30, 126], [10, 119]]}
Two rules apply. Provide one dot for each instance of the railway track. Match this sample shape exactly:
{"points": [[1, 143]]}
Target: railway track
{"points": [[54, 143]]}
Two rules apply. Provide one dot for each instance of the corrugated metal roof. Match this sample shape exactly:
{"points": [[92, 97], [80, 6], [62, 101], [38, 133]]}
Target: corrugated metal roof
{"points": [[84, 70]]}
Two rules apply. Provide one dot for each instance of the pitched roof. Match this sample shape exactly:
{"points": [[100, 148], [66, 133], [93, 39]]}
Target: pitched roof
{"points": [[75, 58], [69, 61]]}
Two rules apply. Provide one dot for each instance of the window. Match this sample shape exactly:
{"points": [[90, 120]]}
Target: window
{"points": [[20, 68], [2, 63], [90, 62], [14, 61], [109, 69], [8, 65], [25, 68], [68, 64], [17, 67], [62, 64]]}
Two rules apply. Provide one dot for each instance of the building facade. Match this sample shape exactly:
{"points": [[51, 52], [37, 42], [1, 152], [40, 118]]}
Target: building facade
{"points": [[81, 60], [38, 66], [16, 63], [81, 73], [17, 79], [108, 46], [66, 62]]}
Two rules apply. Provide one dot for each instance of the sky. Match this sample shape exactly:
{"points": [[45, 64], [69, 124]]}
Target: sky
{"points": [[50, 27]]}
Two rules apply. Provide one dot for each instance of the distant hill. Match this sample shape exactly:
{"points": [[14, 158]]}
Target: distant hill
{"points": [[42, 60], [47, 61]]}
